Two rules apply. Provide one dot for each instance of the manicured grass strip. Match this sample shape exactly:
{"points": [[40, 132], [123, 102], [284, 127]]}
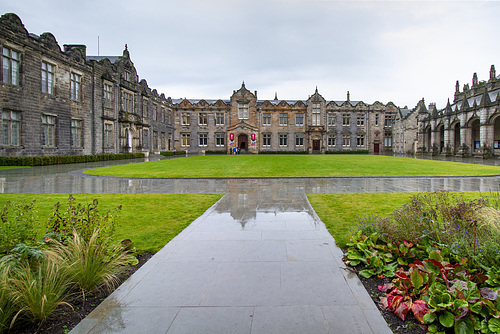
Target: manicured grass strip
{"points": [[10, 167], [150, 221], [294, 166], [341, 211]]}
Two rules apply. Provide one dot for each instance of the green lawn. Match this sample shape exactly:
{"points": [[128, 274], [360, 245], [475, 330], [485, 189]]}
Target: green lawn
{"points": [[341, 211], [150, 221], [294, 166]]}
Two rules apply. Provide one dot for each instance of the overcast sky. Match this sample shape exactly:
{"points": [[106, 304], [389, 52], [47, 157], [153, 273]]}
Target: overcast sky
{"points": [[397, 51]]}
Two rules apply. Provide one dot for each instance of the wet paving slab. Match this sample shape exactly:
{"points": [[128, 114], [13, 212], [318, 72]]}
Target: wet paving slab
{"points": [[258, 261]]}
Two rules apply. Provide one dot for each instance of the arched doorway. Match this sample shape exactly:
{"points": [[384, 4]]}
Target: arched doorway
{"points": [[456, 141], [476, 135], [243, 142]]}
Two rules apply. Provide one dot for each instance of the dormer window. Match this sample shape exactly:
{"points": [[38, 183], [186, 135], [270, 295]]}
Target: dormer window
{"points": [[126, 76]]}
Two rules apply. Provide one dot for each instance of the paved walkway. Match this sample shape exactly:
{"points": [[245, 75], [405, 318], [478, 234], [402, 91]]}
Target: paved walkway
{"points": [[258, 261], [264, 266]]}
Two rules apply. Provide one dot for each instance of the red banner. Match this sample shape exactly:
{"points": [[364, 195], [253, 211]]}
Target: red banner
{"points": [[252, 136], [231, 136]]}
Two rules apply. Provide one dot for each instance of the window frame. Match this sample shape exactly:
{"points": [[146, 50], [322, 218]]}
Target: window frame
{"points": [[299, 140], [299, 119], [203, 119], [155, 140], [219, 118], [185, 118], [266, 119], [107, 90], [360, 141], [48, 82], [243, 111], [283, 140], [76, 133], [332, 140], [185, 139], [75, 86], [316, 114], [49, 128], [331, 119], [154, 111], [11, 128], [10, 73], [145, 108], [346, 119], [360, 120], [283, 119], [145, 138], [108, 135], [266, 140], [219, 139], [346, 140], [202, 139]]}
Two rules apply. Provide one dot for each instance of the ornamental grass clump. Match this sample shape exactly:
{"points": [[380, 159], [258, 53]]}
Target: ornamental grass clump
{"points": [[90, 263], [37, 291], [7, 307]]}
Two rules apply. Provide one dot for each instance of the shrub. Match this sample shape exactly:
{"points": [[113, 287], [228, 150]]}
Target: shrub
{"points": [[209, 152], [168, 153], [17, 225], [83, 219], [90, 262], [460, 227]]}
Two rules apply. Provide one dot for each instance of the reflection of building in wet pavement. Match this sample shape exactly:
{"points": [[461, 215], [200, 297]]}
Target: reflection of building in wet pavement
{"points": [[248, 198], [271, 193]]}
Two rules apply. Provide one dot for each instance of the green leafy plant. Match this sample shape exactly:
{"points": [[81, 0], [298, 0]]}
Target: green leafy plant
{"points": [[17, 225], [23, 253], [405, 292], [84, 219], [377, 254]]}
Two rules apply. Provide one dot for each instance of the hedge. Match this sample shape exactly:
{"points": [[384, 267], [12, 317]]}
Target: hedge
{"points": [[215, 152], [283, 152], [168, 153], [348, 152], [65, 159]]}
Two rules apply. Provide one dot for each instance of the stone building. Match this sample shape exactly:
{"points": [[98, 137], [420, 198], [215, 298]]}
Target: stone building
{"points": [[470, 126], [58, 102], [312, 125]]}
